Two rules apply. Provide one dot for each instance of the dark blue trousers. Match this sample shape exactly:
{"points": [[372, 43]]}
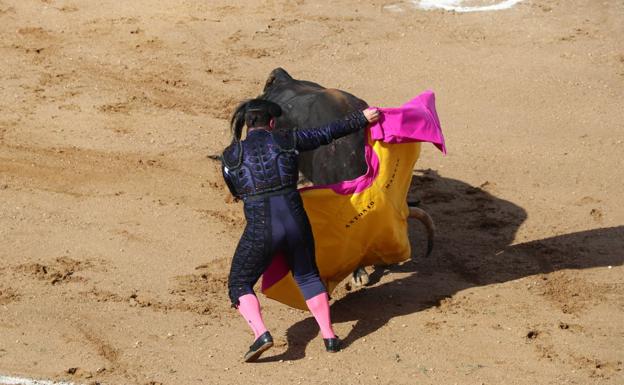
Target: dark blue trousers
{"points": [[275, 224]]}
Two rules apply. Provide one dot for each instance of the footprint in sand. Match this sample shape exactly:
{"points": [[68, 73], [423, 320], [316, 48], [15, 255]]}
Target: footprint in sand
{"points": [[8, 295]]}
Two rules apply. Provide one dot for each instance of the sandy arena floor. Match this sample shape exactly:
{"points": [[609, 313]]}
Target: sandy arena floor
{"points": [[116, 231]]}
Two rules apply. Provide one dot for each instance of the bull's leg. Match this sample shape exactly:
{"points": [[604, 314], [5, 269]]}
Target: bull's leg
{"points": [[359, 277]]}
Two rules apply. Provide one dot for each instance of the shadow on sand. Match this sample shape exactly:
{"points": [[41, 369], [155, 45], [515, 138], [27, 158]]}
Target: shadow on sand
{"points": [[473, 247]]}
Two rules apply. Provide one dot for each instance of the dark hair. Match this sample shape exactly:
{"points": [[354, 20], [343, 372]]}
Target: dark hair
{"points": [[238, 121], [257, 118], [254, 113]]}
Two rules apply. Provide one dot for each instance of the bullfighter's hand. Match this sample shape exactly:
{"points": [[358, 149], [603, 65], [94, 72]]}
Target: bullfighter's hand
{"points": [[371, 114]]}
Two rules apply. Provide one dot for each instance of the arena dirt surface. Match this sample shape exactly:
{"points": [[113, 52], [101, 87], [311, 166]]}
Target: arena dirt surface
{"points": [[116, 231]]}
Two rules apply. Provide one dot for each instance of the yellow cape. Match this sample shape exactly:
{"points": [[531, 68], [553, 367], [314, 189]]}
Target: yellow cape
{"points": [[367, 226]]}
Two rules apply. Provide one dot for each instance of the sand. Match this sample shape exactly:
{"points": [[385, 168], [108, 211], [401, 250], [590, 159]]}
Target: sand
{"points": [[116, 230]]}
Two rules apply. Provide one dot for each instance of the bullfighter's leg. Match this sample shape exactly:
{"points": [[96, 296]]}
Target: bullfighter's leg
{"points": [[299, 249], [251, 258]]}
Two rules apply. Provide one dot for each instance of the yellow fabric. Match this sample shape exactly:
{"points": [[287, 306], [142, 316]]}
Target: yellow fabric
{"points": [[361, 229]]}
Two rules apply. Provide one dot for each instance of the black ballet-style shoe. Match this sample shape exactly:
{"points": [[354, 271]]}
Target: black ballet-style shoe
{"points": [[332, 345], [260, 345]]}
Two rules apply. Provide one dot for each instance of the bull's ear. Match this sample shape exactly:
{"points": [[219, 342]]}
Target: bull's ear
{"points": [[269, 82], [277, 74]]}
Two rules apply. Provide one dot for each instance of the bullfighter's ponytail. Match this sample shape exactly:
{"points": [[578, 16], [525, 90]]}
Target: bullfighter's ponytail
{"points": [[238, 121]]}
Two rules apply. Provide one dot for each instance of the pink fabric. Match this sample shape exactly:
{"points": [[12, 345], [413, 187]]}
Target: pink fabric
{"points": [[319, 307], [249, 308], [276, 271], [415, 121]]}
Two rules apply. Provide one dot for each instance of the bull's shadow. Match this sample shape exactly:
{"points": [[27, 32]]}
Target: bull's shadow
{"points": [[473, 247]]}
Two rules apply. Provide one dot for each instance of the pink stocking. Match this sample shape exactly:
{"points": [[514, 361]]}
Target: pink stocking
{"points": [[249, 308], [319, 306]]}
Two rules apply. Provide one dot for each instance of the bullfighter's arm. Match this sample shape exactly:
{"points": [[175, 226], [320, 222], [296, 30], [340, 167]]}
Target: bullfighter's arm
{"points": [[312, 138]]}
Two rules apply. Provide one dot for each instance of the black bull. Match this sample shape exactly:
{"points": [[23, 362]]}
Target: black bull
{"points": [[306, 105]]}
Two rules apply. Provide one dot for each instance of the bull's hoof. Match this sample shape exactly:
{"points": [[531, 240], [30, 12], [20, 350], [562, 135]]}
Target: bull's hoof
{"points": [[359, 277]]}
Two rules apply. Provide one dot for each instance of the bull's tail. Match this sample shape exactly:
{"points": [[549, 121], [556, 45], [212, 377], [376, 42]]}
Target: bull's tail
{"points": [[421, 215]]}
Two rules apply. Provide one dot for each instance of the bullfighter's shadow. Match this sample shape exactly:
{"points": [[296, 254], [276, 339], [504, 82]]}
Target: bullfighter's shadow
{"points": [[473, 247]]}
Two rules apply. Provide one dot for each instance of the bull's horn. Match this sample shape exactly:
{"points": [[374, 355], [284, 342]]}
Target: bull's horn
{"points": [[421, 215]]}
